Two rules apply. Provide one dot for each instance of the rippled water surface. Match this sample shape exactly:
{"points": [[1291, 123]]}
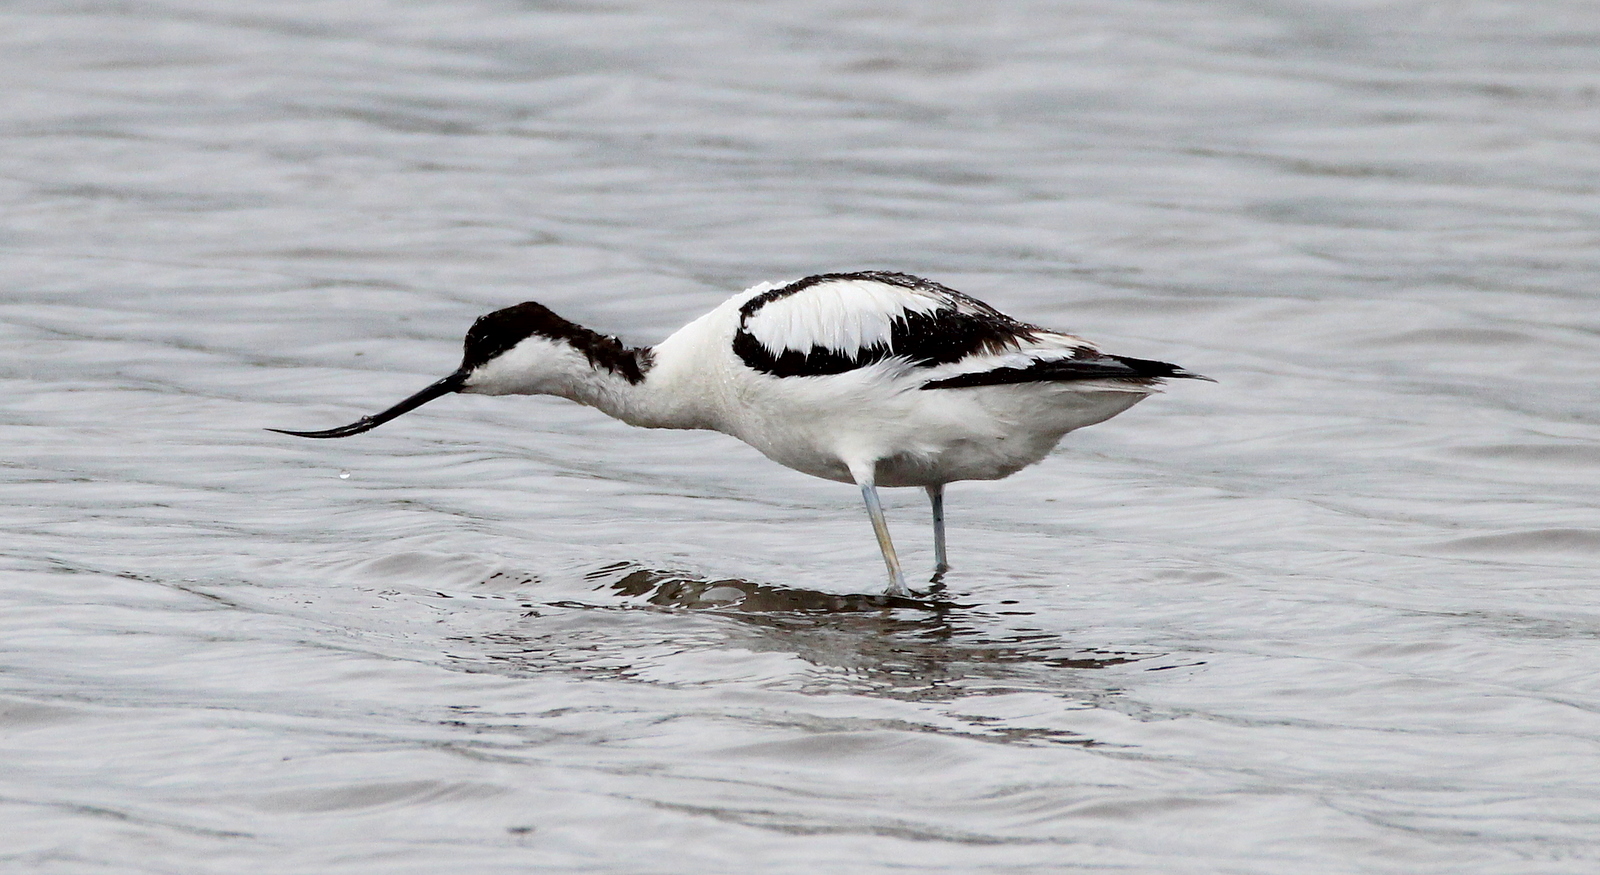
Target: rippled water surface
{"points": [[1335, 613]]}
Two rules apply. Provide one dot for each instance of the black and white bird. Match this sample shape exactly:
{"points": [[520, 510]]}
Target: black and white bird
{"points": [[872, 378]]}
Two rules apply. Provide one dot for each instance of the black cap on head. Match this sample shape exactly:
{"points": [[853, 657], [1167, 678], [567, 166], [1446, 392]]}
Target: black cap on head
{"points": [[501, 330], [494, 334]]}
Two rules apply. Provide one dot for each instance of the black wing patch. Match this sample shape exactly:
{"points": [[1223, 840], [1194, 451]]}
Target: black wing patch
{"points": [[1098, 367], [966, 326]]}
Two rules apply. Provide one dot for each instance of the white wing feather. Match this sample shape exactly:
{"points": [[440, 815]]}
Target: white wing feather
{"points": [[843, 316]]}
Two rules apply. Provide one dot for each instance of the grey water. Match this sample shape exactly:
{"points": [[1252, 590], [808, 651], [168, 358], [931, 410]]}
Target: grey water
{"points": [[1337, 612]]}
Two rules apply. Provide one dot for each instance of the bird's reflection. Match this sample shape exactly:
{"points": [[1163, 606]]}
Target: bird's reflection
{"points": [[670, 590], [908, 648]]}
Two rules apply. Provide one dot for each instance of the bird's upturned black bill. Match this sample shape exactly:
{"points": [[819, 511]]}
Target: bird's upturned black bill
{"points": [[449, 384]]}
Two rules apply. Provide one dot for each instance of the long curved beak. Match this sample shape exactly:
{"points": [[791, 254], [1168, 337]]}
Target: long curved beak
{"points": [[452, 383]]}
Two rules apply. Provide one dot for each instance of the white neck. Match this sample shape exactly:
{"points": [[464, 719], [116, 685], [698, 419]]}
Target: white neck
{"points": [[541, 366]]}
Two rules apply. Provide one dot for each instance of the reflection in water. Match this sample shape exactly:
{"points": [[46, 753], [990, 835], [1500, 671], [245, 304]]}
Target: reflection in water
{"points": [[669, 590], [909, 649]]}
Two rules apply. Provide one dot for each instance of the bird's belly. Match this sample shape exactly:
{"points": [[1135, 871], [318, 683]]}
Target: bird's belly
{"points": [[963, 460], [923, 438]]}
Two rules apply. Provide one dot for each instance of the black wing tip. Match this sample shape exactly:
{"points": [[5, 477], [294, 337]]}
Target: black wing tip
{"points": [[1150, 369], [1143, 372]]}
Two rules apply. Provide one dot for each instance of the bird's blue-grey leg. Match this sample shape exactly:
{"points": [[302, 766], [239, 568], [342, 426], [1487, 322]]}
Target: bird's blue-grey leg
{"points": [[941, 562], [880, 527]]}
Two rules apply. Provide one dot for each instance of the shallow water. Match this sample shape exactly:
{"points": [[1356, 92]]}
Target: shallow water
{"points": [[1334, 613]]}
